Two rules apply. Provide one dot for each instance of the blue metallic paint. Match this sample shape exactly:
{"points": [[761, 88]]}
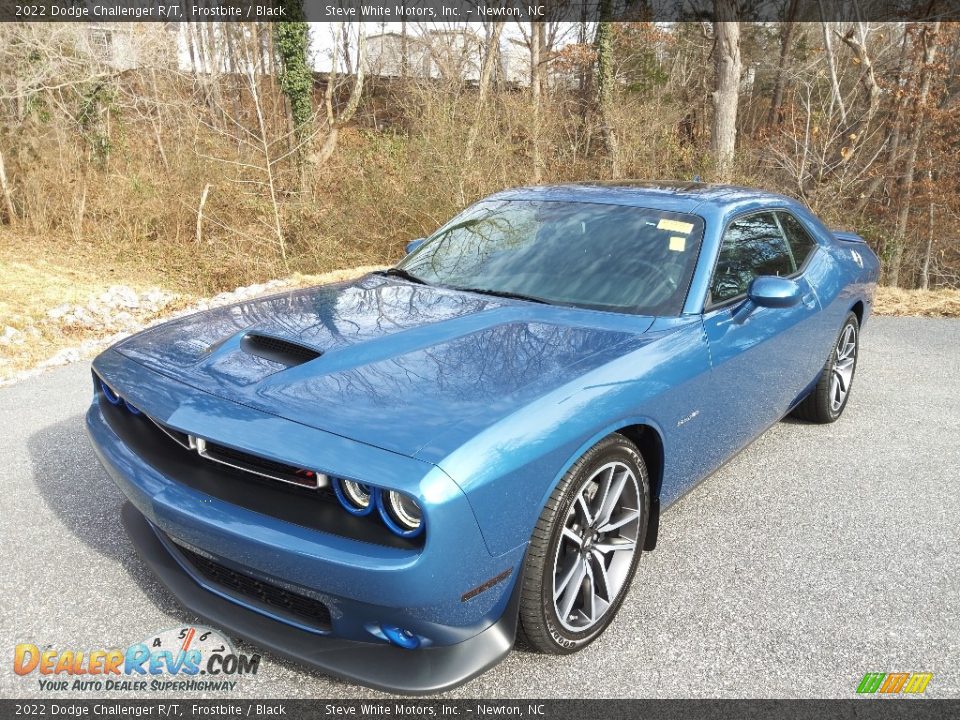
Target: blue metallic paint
{"points": [[474, 406], [775, 292]]}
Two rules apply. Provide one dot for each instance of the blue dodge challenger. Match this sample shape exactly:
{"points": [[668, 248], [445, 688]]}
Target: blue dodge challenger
{"points": [[391, 479]]}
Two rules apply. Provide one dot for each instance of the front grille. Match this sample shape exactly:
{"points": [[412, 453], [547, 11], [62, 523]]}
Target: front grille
{"points": [[314, 612], [252, 482], [259, 465], [240, 460], [255, 462], [278, 350]]}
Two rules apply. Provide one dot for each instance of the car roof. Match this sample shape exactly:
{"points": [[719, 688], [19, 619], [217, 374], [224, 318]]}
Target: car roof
{"points": [[681, 197]]}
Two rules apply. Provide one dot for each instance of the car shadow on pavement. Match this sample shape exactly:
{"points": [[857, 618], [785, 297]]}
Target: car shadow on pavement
{"points": [[85, 500]]}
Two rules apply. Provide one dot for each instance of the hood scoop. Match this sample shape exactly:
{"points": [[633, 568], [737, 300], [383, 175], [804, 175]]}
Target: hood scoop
{"points": [[278, 350]]}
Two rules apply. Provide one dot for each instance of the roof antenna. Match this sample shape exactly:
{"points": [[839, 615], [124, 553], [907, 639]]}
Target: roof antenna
{"points": [[697, 179]]}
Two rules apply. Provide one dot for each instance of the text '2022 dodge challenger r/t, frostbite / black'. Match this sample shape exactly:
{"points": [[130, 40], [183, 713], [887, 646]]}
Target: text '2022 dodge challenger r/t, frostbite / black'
{"points": [[392, 478]]}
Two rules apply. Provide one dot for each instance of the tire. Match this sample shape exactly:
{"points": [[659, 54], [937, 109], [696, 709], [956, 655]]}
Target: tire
{"points": [[554, 555], [825, 404]]}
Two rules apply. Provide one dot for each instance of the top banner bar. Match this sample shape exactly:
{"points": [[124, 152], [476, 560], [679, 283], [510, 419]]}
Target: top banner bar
{"points": [[477, 11]]}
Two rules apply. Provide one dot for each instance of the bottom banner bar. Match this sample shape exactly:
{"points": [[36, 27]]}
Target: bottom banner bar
{"points": [[533, 709]]}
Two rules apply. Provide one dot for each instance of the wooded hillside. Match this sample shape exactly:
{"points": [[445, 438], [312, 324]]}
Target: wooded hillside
{"points": [[217, 155]]}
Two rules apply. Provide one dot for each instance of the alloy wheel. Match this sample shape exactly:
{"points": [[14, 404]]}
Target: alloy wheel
{"points": [[596, 547], [843, 366]]}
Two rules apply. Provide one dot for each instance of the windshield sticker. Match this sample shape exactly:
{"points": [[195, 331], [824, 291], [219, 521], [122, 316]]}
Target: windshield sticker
{"points": [[675, 226], [677, 243]]}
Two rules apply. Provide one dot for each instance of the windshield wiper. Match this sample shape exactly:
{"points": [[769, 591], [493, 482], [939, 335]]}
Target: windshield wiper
{"points": [[504, 294], [401, 273]]}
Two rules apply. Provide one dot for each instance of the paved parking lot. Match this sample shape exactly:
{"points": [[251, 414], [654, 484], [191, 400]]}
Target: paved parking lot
{"points": [[818, 554]]}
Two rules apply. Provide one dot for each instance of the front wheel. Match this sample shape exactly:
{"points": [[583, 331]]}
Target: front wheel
{"points": [[829, 397], [585, 548]]}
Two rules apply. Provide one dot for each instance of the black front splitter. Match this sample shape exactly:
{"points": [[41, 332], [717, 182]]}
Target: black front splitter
{"points": [[385, 667]]}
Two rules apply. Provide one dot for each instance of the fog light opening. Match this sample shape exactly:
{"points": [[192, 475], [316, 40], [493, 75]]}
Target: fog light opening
{"points": [[400, 637]]}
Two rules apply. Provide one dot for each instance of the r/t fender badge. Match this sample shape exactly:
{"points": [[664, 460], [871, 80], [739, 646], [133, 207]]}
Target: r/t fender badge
{"points": [[688, 418]]}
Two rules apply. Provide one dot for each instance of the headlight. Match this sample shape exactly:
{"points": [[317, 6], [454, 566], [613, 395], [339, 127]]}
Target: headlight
{"points": [[401, 513], [355, 497]]}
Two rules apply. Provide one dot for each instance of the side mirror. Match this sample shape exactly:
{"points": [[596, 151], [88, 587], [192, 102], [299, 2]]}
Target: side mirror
{"points": [[414, 244], [774, 292]]}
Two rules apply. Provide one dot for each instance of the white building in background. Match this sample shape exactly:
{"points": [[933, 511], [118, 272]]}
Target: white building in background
{"points": [[451, 54], [127, 46], [446, 51], [455, 54], [515, 62], [384, 55]]}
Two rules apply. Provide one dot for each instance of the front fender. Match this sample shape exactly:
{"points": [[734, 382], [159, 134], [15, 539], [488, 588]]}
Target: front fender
{"points": [[509, 470]]}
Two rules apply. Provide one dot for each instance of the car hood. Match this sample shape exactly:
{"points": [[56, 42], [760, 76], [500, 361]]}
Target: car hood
{"points": [[383, 361]]}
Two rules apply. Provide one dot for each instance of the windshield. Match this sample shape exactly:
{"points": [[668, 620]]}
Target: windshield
{"points": [[607, 257]]}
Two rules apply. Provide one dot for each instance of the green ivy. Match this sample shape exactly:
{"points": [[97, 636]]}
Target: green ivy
{"points": [[98, 99], [296, 77]]}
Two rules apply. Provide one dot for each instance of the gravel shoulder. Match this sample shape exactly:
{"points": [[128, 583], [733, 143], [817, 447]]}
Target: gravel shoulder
{"points": [[818, 554]]}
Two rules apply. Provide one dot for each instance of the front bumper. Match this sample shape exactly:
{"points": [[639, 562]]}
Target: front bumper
{"points": [[385, 667], [365, 585]]}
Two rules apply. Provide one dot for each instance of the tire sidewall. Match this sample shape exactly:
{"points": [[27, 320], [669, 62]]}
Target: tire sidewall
{"points": [[850, 321], [615, 448]]}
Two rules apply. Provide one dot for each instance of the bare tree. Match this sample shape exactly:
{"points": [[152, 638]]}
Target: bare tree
{"points": [[337, 118], [831, 64], [788, 30], [605, 81], [490, 59], [536, 91], [726, 95], [929, 39]]}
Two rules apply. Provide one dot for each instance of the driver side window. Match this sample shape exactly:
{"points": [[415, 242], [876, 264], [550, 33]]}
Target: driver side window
{"points": [[752, 246]]}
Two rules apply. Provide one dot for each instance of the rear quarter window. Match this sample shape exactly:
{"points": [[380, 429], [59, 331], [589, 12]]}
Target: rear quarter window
{"points": [[801, 243]]}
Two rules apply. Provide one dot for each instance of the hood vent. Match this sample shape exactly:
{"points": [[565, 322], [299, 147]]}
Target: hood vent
{"points": [[278, 350]]}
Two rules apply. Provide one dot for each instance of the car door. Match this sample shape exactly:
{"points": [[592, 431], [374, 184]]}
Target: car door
{"points": [[758, 354]]}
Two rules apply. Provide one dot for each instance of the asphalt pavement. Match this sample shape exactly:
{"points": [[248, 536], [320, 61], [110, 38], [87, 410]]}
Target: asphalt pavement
{"points": [[818, 554]]}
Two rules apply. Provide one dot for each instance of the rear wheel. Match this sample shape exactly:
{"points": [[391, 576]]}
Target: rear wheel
{"points": [[585, 548], [828, 399]]}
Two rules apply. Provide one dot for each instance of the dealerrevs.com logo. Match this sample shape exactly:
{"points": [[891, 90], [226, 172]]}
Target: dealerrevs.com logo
{"points": [[175, 660]]}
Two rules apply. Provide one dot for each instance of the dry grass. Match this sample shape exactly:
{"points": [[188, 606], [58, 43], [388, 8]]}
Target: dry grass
{"points": [[302, 280], [928, 303], [37, 276], [30, 289]]}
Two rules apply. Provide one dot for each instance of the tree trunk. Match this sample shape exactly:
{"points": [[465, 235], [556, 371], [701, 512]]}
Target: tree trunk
{"points": [[836, 98], [490, 58], [404, 45], [203, 202], [7, 195], [775, 116], [726, 95], [346, 115], [536, 87], [892, 140], [267, 166], [925, 270], [291, 40], [916, 135], [605, 80], [188, 33]]}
